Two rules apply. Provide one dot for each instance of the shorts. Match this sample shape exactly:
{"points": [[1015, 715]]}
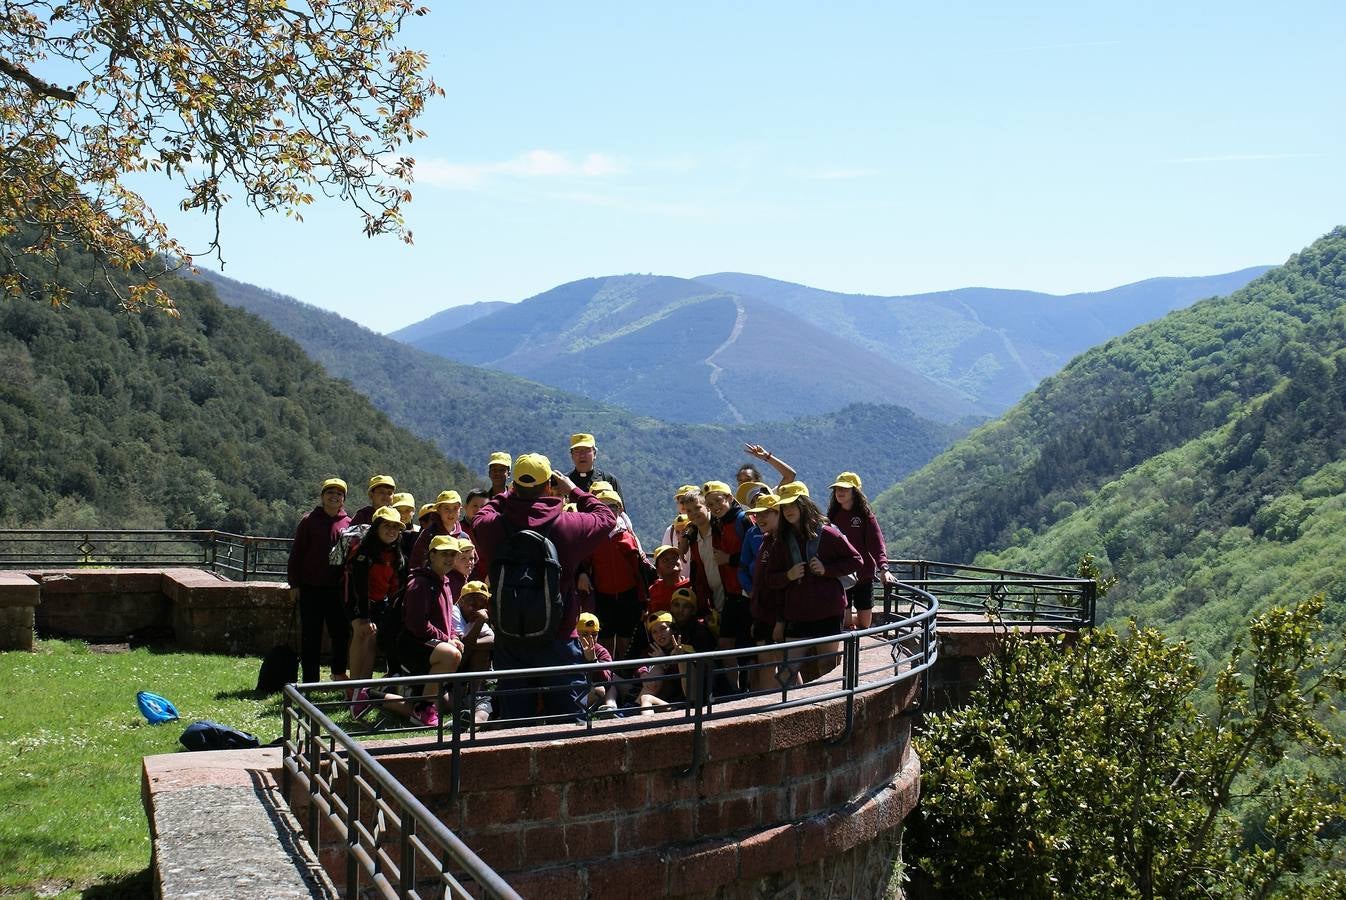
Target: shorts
{"points": [[618, 614], [861, 596], [736, 620], [414, 655], [374, 614], [814, 628], [762, 631]]}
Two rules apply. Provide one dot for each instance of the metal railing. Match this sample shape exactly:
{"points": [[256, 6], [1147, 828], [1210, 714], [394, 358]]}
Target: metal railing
{"points": [[968, 594], [238, 557], [343, 779]]}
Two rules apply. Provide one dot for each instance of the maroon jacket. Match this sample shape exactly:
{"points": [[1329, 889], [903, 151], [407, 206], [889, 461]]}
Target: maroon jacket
{"points": [[363, 516], [864, 534], [428, 607], [313, 540], [576, 535], [767, 605], [812, 597], [422, 546]]}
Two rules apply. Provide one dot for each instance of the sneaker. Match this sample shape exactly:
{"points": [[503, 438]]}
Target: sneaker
{"points": [[361, 704], [428, 716]]}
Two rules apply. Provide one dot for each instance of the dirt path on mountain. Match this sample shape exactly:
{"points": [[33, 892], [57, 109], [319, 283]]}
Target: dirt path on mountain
{"points": [[715, 370]]}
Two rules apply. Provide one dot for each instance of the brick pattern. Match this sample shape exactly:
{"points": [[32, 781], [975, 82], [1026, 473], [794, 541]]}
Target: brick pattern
{"points": [[607, 816], [19, 597]]}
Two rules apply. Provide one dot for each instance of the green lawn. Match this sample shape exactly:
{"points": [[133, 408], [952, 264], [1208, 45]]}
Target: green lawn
{"points": [[71, 741]]}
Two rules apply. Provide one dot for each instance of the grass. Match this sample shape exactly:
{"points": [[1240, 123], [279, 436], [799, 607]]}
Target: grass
{"points": [[71, 742]]}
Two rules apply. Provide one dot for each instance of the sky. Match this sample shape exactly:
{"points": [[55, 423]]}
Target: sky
{"points": [[883, 148]]}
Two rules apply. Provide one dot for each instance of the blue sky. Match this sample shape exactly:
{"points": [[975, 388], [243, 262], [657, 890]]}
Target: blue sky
{"points": [[882, 148]]}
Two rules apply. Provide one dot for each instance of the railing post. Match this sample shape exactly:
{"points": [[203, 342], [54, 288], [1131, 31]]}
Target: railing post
{"points": [[287, 710], [315, 764], [407, 871], [352, 823]]}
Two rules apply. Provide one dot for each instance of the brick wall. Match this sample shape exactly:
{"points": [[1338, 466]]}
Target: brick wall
{"points": [[783, 799], [199, 611], [19, 596]]}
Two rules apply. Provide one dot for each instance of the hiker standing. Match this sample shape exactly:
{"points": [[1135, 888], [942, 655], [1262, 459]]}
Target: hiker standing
{"points": [[319, 582]]}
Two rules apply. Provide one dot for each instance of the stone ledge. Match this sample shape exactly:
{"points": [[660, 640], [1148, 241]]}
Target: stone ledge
{"points": [[218, 824], [19, 599]]}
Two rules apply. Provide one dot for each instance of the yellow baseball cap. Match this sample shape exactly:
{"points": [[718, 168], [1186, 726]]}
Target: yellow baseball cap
{"points": [[662, 549], [444, 542], [747, 489], [609, 497], [401, 500], [498, 458], [847, 480], [685, 489], [333, 483], [386, 514], [475, 587], [448, 497], [682, 520], [716, 487], [765, 503], [425, 510], [380, 480], [685, 594], [601, 486], [532, 469], [588, 623], [652, 619], [582, 440], [465, 543], [791, 492]]}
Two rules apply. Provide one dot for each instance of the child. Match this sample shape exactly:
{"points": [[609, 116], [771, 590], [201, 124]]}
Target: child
{"points": [[602, 697], [471, 622], [668, 568]]}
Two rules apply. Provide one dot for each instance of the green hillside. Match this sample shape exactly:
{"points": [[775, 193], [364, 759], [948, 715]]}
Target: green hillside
{"points": [[210, 420], [471, 411], [1199, 457]]}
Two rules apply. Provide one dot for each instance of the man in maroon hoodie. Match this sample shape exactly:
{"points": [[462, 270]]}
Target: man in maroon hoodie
{"points": [[576, 536], [319, 582]]}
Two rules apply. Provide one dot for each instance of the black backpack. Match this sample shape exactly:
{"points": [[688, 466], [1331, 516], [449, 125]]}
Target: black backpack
{"points": [[526, 588], [208, 735], [280, 667]]}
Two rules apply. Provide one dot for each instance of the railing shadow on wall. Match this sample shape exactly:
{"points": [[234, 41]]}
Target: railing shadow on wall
{"points": [[235, 556], [346, 787]]}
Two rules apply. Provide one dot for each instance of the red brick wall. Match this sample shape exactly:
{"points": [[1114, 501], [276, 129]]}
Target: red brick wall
{"points": [[775, 803]]}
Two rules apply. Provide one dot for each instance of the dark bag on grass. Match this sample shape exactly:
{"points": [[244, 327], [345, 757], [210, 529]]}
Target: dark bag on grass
{"points": [[280, 667], [208, 735]]}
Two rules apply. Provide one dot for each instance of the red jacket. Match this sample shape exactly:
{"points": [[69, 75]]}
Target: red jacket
{"points": [[616, 565], [865, 535], [428, 607], [576, 535], [812, 597], [313, 540], [724, 536]]}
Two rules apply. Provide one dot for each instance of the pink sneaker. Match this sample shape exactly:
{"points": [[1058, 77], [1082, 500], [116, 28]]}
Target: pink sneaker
{"points": [[361, 704], [428, 716]]}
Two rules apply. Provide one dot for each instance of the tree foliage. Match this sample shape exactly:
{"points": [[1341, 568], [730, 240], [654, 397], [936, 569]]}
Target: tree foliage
{"points": [[1091, 770], [270, 99]]}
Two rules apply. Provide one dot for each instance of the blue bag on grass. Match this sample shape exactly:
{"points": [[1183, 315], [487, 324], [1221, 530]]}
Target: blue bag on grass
{"points": [[156, 709]]}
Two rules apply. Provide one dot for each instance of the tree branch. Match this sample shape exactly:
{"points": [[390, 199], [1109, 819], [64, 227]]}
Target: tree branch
{"points": [[37, 85]]}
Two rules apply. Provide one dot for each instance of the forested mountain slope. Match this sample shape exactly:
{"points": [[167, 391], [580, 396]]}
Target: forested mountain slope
{"points": [[471, 411], [1200, 457], [210, 420]]}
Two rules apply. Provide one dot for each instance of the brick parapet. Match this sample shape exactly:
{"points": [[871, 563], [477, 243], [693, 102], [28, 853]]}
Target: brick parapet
{"points": [[19, 597]]}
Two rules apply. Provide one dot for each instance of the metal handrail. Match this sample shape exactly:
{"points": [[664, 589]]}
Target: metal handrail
{"points": [[1016, 598], [314, 742], [237, 557]]}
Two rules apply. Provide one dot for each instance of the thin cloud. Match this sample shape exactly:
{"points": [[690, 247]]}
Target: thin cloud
{"points": [[1241, 157], [840, 174], [608, 201], [533, 164], [1073, 45]]}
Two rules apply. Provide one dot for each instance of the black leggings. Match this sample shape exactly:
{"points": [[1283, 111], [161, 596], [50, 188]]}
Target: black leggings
{"points": [[320, 606]]}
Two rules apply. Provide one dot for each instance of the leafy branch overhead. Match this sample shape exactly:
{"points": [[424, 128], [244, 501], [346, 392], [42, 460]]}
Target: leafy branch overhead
{"points": [[274, 101]]}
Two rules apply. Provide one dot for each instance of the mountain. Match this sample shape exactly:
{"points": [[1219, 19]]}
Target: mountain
{"points": [[1201, 458], [677, 349], [469, 411], [990, 345], [208, 420], [446, 320]]}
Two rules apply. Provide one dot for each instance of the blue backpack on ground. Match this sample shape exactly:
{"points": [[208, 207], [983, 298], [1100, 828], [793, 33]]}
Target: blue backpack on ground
{"points": [[208, 735], [156, 709]]}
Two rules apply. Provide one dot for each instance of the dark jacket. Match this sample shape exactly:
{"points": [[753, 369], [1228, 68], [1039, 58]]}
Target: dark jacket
{"points": [[313, 541], [865, 535], [576, 535], [357, 577], [428, 533], [363, 516], [812, 597], [586, 482], [428, 607]]}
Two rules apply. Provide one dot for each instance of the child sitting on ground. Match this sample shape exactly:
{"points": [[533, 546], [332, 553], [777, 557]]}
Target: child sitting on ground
{"points": [[602, 697]]}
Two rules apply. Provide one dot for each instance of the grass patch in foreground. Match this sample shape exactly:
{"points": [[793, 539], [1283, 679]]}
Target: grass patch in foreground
{"points": [[71, 742]]}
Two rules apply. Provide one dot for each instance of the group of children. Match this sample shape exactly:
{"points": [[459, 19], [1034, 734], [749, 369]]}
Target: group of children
{"points": [[740, 567]]}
